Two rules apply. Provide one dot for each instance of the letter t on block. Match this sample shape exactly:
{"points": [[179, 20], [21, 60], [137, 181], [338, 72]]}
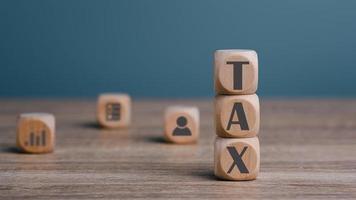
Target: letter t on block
{"points": [[236, 71]]}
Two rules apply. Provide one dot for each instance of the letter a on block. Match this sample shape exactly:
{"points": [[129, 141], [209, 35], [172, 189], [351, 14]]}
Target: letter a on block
{"points": [[237, 115], [239, 110]]}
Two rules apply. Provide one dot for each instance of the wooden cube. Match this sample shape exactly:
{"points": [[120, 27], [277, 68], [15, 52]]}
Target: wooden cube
{"points": [[114, 110], [237, 159], [237, 116], [236, 71], [36, 132], [181, 124]]}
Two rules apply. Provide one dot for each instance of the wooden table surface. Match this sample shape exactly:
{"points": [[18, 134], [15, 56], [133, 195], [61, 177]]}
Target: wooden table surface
{"points": [[308, 151]]}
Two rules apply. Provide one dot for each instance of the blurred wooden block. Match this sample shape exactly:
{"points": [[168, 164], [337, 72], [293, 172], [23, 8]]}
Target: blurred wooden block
{"points": [[114, 110], [36, 132], [181, 124], [236, 71], [237, 115], [237, 159]]}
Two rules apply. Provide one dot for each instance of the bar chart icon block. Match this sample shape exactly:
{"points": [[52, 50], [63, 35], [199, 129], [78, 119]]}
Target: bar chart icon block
{"points": [[36, 132]]}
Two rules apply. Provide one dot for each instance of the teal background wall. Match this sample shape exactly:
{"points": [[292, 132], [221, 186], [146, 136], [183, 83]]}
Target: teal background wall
{"points": [[163, 48]]}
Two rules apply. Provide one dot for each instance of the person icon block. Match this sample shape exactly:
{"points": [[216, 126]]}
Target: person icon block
{"points": [[181, 124], [181, 129]]}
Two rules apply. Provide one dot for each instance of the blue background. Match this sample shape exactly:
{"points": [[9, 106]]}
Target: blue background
{"points": [[164, 48]]}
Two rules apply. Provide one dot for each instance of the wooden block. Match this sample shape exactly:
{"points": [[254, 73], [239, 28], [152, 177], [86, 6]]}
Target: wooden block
{"points": [[237, 159], [237, 116], [181, 124], [114, 110], [36, 132], [236, 71]]}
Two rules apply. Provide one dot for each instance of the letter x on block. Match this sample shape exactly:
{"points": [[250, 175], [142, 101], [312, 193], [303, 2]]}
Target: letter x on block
{"points": [[237, 160]]}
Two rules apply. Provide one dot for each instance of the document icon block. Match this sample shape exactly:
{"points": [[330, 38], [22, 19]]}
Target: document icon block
{"points": [[114, 110]]}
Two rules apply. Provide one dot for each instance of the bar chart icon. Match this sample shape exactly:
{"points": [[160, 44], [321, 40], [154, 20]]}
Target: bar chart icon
{"points": [[113, 111], [36, 139], [36, 132]]}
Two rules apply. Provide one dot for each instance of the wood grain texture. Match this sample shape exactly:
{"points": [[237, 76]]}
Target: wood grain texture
{"points": [[307, 151]]}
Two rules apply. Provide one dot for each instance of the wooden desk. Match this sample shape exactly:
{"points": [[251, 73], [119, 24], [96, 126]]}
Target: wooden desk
{"points": [[308, 150]]}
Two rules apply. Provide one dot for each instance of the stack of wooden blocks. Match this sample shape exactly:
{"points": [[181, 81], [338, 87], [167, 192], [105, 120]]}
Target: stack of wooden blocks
{"points": [[237, 115]]}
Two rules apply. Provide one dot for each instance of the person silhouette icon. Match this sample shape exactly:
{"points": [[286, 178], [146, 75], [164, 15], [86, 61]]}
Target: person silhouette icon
{"points": [[181, 130]]}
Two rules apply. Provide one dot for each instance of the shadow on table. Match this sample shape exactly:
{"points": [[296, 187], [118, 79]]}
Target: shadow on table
{"points": [[161, 140], [209, 175], [157, 139], [11, 149], [206, 174], [91, 125], [95, 125]]}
